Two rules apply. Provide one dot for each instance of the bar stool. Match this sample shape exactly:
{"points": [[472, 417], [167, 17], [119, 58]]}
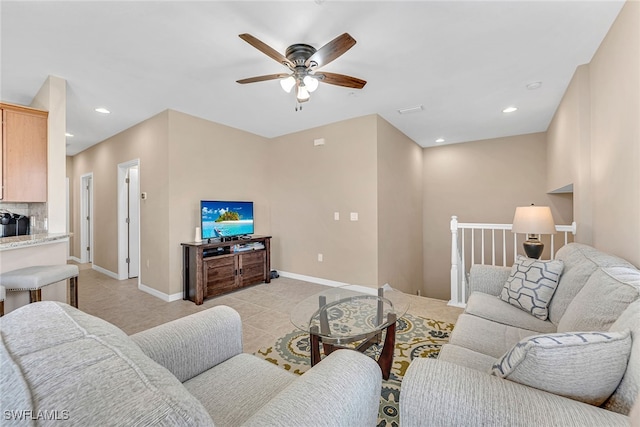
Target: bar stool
{"points": [[3, 293], [33, 279]]}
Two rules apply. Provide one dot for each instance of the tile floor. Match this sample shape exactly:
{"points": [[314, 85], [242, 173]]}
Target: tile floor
{"points": [[264, 308]]}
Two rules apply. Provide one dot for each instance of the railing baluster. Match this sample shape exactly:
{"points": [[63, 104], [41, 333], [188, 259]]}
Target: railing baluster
{"points": [[473, 247], [493, 246], [455, 276], [504, 248], [482, 244]]}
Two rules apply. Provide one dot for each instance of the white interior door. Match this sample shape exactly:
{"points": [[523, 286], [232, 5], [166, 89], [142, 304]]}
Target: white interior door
{"points": [[86, 218], [129, 220], [134, 221]]}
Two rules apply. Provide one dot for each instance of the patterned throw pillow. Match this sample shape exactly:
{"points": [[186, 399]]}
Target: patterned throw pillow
{"points": [[584, 366], [531, 285]]}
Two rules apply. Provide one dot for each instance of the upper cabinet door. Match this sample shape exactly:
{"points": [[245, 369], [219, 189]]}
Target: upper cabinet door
{"points": [[24, 154]]}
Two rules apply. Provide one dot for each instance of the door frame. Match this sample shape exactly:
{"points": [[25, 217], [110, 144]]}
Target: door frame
{"points": [[123, 239], [86, 232]]}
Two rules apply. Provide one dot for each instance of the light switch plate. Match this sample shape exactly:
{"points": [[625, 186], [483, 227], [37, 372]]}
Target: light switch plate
{"points": [[354, 216]]}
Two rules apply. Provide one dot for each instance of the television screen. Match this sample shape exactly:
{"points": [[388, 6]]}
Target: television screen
{"points": [[225, 219]]}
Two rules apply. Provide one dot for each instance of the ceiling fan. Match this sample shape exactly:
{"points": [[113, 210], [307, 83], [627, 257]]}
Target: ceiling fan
{"points": [[303, 61]]}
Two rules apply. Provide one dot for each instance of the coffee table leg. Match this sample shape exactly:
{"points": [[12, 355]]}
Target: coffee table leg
{"points": [[324, 325], [386, 357], [315, 345]]}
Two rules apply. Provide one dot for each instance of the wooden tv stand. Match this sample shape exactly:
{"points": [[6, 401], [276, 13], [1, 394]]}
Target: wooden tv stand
{"points": [[215, 268]]}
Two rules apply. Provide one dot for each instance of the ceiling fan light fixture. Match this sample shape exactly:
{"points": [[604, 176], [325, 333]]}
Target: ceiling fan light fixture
{"points": [[311, 83], [288, 83]]}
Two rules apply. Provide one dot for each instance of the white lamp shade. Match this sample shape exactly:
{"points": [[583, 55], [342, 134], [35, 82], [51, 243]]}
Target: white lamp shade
{"points": [[303, 94], [288, 83], [311, 83], [533, 220]]}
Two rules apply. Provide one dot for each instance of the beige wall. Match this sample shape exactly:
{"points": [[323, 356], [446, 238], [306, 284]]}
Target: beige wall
{"points": [[71, 211], [615, 137], [308, 184], [296, 187], [183, 159], [399, 209], [148, 142], [209, 161], [594, 141], [569, 151], [481, 181]]}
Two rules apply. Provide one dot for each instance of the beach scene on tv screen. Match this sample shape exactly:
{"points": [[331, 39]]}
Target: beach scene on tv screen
{"points": [[224, 219]]}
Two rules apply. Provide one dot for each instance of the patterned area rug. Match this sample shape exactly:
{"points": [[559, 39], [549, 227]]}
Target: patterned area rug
{"points": [[415, 337]]}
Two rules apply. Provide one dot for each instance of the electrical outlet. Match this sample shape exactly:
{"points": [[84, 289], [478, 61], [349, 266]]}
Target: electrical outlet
{"points": [[336, 216], [320, 257], [354, 216]]}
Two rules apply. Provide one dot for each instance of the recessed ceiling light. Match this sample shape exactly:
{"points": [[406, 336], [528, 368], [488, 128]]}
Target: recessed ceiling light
{"points": [[68, 135], [440, 140], [408, 110], [509, 109], [102, 110], [534, 85]]}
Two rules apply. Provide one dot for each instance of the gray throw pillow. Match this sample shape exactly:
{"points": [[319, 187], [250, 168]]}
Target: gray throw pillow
{"points": [[584, 366], [531, 285]]}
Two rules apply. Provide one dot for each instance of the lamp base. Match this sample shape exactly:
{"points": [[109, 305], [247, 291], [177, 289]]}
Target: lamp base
{"points": [[533, 247]]}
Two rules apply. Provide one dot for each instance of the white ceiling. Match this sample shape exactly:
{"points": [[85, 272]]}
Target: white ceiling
{"points": [[464, 62]]}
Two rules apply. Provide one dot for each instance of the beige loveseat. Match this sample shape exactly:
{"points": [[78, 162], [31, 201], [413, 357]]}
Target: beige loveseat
{"points": [[505, 367], [61, 366]]}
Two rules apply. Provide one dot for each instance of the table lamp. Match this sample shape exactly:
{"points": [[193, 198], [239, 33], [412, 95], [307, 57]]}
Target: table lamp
{"points": [[533, 221]]}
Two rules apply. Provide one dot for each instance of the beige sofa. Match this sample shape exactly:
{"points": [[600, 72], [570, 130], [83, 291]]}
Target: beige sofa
{"points": [[59, 365], [551, 369]]}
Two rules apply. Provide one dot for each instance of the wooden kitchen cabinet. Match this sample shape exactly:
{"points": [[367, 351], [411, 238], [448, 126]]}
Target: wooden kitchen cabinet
{"points": [[24, 154]]}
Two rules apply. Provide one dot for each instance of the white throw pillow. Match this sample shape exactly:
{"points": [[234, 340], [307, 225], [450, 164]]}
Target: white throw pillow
{"points": [[531, 285], [584, 366]]}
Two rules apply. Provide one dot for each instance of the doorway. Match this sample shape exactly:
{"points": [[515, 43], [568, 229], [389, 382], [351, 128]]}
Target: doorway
{"points": [[86, 218], [129, 219]]}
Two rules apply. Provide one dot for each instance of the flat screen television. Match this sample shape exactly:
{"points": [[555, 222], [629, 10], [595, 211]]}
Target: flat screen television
{"points": [[225, 219]]}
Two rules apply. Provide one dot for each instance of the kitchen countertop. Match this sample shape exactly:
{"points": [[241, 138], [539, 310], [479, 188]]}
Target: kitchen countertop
{"points": [[15, 242]]}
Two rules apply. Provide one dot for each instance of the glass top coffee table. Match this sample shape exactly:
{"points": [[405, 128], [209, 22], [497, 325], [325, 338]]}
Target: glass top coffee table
{"points": [[346, 315]]}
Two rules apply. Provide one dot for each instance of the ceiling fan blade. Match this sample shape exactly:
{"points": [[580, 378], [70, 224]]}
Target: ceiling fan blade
{"points": [[340, 80], [263, 78], [331, 51], [266, 49]]}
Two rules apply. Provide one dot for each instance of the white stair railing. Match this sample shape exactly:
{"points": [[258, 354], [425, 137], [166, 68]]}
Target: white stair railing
{"points": [[478, 243]]}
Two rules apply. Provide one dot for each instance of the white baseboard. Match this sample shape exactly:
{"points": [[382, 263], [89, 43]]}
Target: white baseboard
{"points": [[456, 304], [327, 282], [75, 259], [156, 293], [144, 288], [105, 271]]}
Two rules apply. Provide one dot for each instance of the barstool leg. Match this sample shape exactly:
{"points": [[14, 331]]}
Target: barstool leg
{"points": [[35, 295], [1, 308], [73, 291]]}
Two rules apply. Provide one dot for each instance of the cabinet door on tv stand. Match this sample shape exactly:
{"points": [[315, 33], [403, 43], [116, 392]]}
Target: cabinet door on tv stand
{"points": [[252, 265], [220, 275]]}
